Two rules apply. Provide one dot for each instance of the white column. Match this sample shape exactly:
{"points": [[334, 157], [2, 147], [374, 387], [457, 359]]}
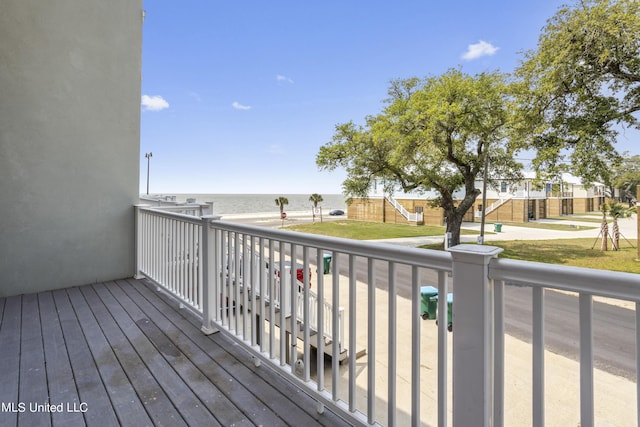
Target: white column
{"points": [[472, 337], [210, 275]]}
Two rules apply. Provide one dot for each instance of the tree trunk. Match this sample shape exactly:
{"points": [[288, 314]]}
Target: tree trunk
{"points": [[455, 214], [616, 235], [453, 226], [604, 230]]}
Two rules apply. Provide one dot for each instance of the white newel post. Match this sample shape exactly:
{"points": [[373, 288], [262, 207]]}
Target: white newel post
{"points": [[209, 275], [138, 240], [472, 335]]}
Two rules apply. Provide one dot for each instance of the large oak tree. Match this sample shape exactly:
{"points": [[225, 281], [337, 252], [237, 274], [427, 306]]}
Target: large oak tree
{"points": [[434, 133], [581, 86]]}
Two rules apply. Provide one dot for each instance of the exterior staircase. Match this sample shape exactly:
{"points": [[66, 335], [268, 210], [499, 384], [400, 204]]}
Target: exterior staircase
{"points": [[416, 217], [495, 205]]}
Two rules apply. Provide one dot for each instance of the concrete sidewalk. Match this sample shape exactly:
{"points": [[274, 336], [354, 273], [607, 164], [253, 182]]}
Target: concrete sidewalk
{"points": [[615, 403], [615, 397], [628, 229]]}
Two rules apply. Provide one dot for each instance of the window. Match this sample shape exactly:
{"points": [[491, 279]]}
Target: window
{"points": [[503, 187]]}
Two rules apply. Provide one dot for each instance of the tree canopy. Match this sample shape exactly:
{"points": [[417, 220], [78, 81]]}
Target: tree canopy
{"points": [[281, 202], [434, 133], [626, 178], [582, 85], [316, 198]]}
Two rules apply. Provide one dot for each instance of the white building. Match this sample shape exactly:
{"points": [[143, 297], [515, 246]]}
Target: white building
{"points": [[507, 200]]}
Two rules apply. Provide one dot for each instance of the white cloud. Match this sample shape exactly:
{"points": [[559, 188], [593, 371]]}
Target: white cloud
{"points": [[281, 78], [277, 149], [154, 103], [479, 49], [239, 106], [195, 96]]}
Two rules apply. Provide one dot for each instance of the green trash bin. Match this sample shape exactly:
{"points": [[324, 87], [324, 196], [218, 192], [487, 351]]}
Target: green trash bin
{"points": [[326, 258], [497, 227], [428, 305], [449, 310]]}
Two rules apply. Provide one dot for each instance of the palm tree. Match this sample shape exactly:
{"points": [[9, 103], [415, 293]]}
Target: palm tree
{"points": [[604, 228], [280, 202], [616, 211], [316, 198]]}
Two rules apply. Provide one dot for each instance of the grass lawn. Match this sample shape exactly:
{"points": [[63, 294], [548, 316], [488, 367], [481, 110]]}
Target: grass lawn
{"points": [[546, 225], [574, 252], [362, 230], [597, 219]]}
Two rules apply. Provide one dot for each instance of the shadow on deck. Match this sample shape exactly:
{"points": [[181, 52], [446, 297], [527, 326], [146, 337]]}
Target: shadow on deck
{"points": [[119, 353]]}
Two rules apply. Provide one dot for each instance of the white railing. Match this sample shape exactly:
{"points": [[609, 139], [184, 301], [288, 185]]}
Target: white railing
{"points": [[312, 306], [402, 365], [529, 194], [197, 210], [495, 205], [169, 253], [259, 275], [587, 284], [411, 217]]}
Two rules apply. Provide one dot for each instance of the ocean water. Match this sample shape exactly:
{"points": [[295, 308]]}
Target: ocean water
{"points": [[263, 203]]}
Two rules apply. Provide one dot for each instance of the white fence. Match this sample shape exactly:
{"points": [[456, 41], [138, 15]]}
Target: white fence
{"points": [[211, 273]]}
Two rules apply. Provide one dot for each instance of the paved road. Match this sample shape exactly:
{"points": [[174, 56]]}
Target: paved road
{"points": [[614, 327], [273, 221]]}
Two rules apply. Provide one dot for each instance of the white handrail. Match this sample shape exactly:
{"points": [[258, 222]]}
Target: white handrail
{"points": [[411, 217], [263, 270], [495, 205], [226, 272]]}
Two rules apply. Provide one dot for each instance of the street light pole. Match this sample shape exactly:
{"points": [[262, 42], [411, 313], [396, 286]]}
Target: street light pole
{"points": [[148, 155], [484, 200]]}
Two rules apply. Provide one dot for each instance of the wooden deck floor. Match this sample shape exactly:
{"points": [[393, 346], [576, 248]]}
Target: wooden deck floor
{"points": [[119, 353]]}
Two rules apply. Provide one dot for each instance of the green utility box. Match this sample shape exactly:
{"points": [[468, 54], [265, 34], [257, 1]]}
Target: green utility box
{"points": [[497, 227], [327, 263], [428, 305]]}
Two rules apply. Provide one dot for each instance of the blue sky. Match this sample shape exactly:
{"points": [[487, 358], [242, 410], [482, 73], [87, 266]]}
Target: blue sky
{"points": [[238, 96]]}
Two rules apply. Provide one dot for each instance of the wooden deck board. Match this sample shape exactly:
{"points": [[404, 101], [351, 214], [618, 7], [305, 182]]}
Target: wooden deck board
{"points": [[91, 389], [133, 358], [179, 394], [210, 359], [186, 360], [33, 377], [292, 404], [151, 402], [121, 393], [62, 387], [10, 358]]}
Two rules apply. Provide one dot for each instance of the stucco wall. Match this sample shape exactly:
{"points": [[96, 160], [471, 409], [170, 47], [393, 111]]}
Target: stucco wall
{"points": [[70, 75]]}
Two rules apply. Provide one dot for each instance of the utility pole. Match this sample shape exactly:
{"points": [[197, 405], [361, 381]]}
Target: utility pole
{"points": [[484, 199], [148, 155]]}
